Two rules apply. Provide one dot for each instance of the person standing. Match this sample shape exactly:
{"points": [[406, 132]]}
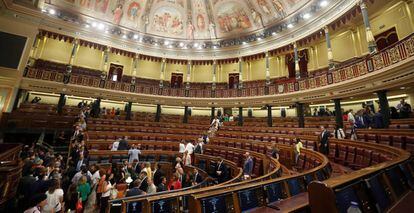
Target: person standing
{"points": [[38, 201], [190, 150], [181, 147], [296, 149], [84, 189], [123, 144], [324, 141], [152, 189], [221, 171], [247, 166], [196, 177], [163, 185], [158, 174], [54, 197], [133, 154], [338, 132], [106, 192]]}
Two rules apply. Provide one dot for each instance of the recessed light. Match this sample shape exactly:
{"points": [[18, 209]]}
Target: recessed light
{"points": [[166, 43], [155, 44], [244, 42], [135, 36], [124, 36], [306, 16], [259, 39], [181, 44], [323, 3], [101, 26], [52, 12], [215, 47], [195, 44], [290, 26], [402, 87], [170, 46], [274, 33]]}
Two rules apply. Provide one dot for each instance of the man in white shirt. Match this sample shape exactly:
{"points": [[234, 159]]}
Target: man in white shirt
{"points": [[82, 172], [115, 145], [189, 148]]}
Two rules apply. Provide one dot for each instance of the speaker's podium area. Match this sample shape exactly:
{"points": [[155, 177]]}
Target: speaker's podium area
{"points": [[206, 106]]}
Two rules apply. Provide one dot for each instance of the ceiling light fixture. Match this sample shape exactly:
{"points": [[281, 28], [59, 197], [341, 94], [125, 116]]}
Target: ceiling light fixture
{"points": [[94, 24], [166, 43], [244, 42], [101, 26], [259, 39], [87, 25], [181, 44], [124, 36], [324, 3], [274, 33], [195, 44], [52, 12], [135, 36], [306, 16], [290, 26]]}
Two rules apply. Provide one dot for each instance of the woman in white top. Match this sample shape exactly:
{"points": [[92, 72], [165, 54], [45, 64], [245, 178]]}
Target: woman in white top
{"points": [[187, 158], [181, 147], [54, 197], [106, 192]]}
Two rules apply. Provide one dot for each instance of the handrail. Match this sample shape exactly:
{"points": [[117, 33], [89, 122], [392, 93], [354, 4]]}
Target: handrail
{"points": [[325, 189]]}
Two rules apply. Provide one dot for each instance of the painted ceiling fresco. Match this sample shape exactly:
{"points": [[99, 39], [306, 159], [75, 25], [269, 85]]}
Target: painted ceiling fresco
{"points": [[186, 19]]}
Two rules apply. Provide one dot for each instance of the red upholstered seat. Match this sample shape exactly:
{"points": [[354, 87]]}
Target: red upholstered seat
{"points": [[342, 151], [350, 157]]}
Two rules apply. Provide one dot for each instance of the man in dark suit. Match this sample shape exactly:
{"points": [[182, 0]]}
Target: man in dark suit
{"points": [[221, 171], [123, 144], [163, 185], [247, 166], [158, 173], [324, 141], [135, 191], [81, 161], [196, 177]]}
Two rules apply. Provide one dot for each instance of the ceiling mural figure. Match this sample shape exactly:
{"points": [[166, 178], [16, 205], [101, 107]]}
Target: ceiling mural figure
{"points": [[232, 17], [184, 19], [167, 21]]}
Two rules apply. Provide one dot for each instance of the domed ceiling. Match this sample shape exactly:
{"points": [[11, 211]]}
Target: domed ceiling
{"points": [[187, 19], [185, 29]]}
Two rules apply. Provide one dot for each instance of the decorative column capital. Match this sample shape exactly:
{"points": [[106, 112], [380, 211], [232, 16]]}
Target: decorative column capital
{"points": [[326, 29], [362, 4]]}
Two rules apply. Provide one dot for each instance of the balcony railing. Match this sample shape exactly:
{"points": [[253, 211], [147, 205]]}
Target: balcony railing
{"points": [[349, 70]]}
